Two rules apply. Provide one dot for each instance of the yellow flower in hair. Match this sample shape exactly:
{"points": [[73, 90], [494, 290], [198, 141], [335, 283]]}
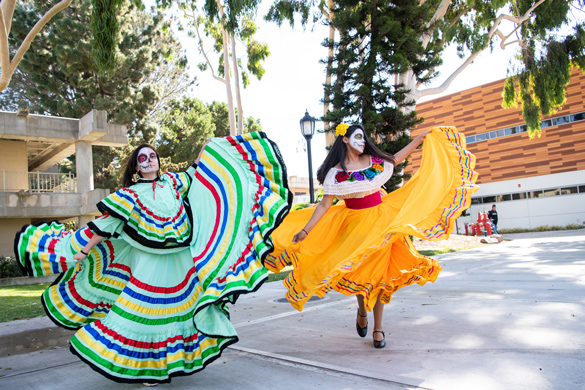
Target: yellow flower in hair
{"points": [[341, 129]]}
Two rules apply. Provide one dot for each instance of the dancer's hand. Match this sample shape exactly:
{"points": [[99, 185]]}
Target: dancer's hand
{"points": [[79, 257], [201, 151], [422, 135], [403, 153], [300, 236]]}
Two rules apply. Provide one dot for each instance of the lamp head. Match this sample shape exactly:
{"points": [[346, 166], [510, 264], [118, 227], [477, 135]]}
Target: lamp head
{"points": [[307, 125]]}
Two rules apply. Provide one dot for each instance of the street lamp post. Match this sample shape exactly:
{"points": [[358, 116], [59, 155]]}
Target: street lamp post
{"points": [[308, 129]]}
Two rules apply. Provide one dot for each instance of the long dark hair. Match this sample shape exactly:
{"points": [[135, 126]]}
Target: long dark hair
{"points": [[132, 163], [337, 152]]}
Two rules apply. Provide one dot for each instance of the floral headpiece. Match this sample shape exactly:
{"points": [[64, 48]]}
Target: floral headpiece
{"points": [[341, 129]]}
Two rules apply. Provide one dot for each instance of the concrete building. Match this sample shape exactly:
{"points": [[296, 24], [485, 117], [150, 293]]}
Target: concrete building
{"points": [[532, 182], [29, 146], [299, 186]]}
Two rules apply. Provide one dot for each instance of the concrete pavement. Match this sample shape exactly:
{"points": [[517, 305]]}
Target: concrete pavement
{"points": [[505, 316]]}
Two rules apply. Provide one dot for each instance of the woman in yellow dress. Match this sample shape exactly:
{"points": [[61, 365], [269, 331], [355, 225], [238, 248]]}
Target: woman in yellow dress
{"points": [[361, 246]]}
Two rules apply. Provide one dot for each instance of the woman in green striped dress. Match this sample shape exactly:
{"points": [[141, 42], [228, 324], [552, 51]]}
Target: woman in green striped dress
{"points": [[147, 283]]}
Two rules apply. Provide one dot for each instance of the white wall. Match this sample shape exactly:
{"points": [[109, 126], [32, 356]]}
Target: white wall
{"points": [[531, 213]]}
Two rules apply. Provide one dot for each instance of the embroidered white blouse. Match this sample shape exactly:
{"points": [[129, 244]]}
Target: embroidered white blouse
{"points": [[360, 183]]}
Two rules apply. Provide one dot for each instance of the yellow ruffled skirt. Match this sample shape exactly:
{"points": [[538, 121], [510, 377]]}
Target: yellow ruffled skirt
{"points": [[368, 251]]}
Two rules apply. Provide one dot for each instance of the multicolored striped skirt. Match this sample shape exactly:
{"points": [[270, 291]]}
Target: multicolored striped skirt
{"points": [[148, 314], [368, 250]]}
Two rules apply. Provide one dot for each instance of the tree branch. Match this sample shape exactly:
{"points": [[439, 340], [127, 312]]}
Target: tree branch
{"points": [[493, 31], [503, 44], [25, 45], [324, 12], [37, 28], [196, 24], [459, 15], [237, 85], [439, 14], [8, 10], [447, 83], [4, 54], [226, 65]]}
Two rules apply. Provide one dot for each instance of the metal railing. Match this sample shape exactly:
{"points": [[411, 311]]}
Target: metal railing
{"points": [[37, 182]]}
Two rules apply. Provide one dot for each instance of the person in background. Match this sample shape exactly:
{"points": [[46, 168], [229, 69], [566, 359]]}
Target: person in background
{"points": [[493, 216]]}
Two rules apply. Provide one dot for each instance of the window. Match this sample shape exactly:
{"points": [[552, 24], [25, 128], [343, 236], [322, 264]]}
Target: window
{"points": [[561, 120], [510, 131], [500, 133], [546, 123], [578, 117], [528, 195], [480, 137], [493, 134], [536, 194], [522, 128], [519, 195], [502, 198], [552, 192], [470, 139]]}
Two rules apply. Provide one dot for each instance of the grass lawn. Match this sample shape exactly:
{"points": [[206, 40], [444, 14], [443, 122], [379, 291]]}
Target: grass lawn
{"points": [[434, 252], [280, 276], [19, 302]]}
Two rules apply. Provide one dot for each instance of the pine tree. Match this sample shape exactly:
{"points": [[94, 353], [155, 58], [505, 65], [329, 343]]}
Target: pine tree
{"points": [[378, 40], [549, 36]]}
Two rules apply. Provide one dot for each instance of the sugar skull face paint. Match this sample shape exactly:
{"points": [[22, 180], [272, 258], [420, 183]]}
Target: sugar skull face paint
{"points": [[357, 140], [147, 161]]}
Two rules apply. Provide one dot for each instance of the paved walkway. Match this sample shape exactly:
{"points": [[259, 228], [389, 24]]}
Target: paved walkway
{"points": [[506, 316]]}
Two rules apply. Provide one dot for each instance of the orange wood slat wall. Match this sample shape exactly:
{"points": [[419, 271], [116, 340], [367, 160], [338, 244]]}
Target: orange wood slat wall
{"points": [[478, 110]]}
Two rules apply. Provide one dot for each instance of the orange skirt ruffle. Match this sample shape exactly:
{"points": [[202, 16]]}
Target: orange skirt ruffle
{"points": [[368, 251]]}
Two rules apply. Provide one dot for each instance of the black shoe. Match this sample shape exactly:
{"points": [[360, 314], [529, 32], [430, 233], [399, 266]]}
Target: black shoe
{"points": [[361, 331], [381, 343]]}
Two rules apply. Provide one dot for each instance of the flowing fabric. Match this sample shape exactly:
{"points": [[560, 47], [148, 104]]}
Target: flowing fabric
{"points": [[149, 301], [368, 251]]}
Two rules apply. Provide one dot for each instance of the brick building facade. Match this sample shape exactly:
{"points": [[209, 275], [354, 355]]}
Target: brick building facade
{"points": [[532, 182]]}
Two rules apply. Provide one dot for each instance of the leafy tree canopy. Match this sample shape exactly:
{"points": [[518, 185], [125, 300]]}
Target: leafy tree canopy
{"points": [[58, 77], [549, 35], [377, 41], [185, 126], [543, 71]]}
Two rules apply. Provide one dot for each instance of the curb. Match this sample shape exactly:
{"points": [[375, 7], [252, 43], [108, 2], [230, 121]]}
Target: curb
{"points": [[25, 280], [25, 336]]}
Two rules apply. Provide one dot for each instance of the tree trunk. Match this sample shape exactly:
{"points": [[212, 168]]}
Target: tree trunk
{"points": [[237, 86], [228, 84], [329, 136]]}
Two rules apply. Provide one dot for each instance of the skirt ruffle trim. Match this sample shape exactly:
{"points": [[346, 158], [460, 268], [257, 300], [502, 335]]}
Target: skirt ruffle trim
{"points": [[423, 270], [127, 361], [441, 223]]}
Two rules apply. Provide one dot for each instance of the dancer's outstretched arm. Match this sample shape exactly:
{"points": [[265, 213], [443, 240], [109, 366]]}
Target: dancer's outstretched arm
{"points": [[96, 239], [404, 152], [319, 212], [201, 152]]}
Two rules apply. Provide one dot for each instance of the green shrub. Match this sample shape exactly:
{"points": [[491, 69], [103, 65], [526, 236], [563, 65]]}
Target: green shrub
{"points": [[299, 206], [545, 228], [9, 268]]}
